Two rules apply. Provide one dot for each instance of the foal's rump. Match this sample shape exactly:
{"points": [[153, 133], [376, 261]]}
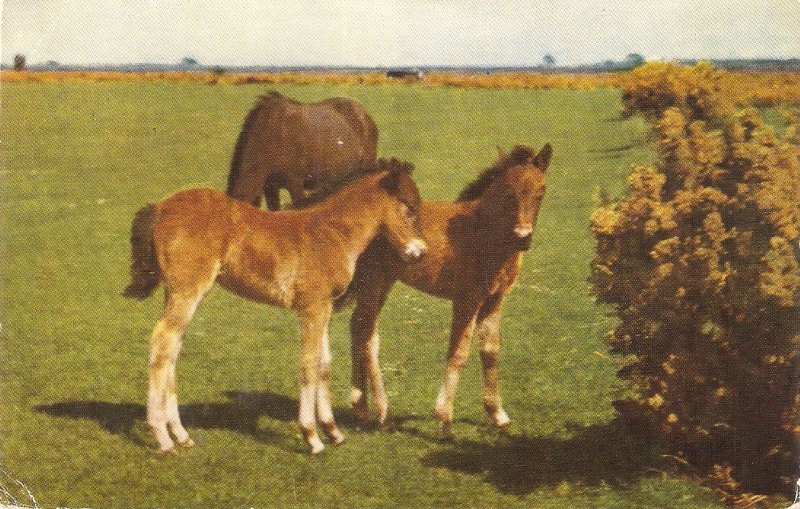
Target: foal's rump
{"points": [[179, 239], [199, 236]]}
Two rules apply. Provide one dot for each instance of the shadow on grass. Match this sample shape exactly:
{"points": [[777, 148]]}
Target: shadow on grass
{"points": [[613, 119], [616, 152], [240, 414], [514, 464]]}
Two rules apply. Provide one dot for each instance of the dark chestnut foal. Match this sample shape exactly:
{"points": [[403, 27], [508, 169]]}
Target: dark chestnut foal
{"points": [[474, 256], [298, 259]]}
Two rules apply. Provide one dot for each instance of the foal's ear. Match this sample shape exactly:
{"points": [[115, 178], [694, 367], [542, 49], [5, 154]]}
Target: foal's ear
{"points": [[390, 182], [542, 159], [397, 171]]}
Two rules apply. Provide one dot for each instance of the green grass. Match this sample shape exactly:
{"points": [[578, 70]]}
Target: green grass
{"points": [[79, 159]]}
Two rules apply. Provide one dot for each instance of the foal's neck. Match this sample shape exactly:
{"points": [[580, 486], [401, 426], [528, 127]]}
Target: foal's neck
{"points": [[352, 214], [494, 226]]}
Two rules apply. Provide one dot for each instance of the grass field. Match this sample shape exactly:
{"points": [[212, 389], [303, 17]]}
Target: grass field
{"points": [[80, 158]]}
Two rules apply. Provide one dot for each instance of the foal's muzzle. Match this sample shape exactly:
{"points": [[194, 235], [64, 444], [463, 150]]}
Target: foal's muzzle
{"points": [[524, 235], [524, 230], [414, 249]]}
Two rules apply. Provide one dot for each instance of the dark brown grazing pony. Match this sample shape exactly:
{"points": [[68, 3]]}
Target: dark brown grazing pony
{"points": [[474, 256], [297, 259], [288, 144]]}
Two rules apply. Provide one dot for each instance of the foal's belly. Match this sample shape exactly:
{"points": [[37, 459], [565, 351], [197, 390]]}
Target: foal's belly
{"points": [[276, 289], [432, 279]]}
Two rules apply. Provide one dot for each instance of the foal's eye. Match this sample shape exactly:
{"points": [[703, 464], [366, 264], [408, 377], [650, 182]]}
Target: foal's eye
{"points": [[409, 211]]}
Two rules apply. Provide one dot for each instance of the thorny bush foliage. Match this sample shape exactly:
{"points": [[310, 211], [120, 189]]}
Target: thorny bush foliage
{"points": [[700, 262], [700, 92]]}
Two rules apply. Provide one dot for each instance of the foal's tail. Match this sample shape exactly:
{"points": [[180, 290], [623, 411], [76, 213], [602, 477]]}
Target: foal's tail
{"points": [[145, 273]]}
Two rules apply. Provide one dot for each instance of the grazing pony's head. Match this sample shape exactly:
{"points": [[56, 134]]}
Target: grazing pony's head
{"points": [[401, 227], [511, 192]]}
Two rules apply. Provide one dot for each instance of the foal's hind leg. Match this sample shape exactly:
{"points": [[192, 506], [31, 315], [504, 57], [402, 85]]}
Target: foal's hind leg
{"points": [[488, 333], [162, 400]]}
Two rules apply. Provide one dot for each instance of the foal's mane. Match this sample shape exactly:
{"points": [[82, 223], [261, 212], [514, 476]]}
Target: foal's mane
{"points": [[520, 154], [328, 189]]}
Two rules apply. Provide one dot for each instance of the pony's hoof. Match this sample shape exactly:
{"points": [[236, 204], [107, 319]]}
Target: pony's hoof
{"points": [[502, 420], [338, 438], [186, 444], [315, 446], [333, 432], [360, 416], [383, 416], [446, 431], [388, 426], [172, 451]]}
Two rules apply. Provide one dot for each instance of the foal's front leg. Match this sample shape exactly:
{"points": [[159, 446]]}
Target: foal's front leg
{"points": [[463, 324], [324, 410], [489, 347], [313, 327]]}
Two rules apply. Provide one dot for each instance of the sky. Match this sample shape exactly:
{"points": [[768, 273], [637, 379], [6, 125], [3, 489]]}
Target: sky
{"points": [[395, 32]]}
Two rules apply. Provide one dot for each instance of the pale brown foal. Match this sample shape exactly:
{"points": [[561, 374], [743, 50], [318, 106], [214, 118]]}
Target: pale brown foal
{"points": [[474, 256], [298, 259]]}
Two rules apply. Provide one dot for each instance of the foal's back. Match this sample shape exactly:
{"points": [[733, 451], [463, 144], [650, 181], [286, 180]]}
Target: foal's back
{"points": [[203, 235]]}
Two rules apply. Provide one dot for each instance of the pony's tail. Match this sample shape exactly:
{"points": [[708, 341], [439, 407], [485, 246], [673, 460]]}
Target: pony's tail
{"points": [[145, 273]]}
